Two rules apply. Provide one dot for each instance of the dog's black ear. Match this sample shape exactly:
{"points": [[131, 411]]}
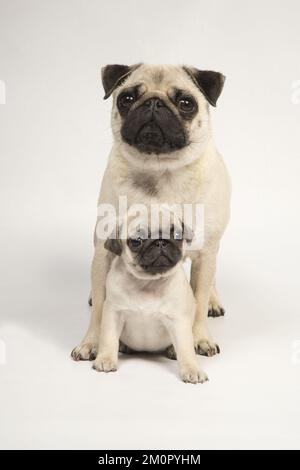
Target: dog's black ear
{"points": [[114, 245], [114, 75], [210, 83]]}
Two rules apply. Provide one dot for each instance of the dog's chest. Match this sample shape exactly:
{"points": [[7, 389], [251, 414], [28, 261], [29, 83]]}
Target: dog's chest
{"points": [[167, 188]]}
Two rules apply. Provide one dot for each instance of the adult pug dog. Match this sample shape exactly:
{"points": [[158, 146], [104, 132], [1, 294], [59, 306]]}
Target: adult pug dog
{"points": [[163, 152]]}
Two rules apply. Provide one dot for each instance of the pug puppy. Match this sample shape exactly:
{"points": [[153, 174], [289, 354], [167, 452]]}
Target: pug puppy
{"points": [[163, 152], [149, 304]]}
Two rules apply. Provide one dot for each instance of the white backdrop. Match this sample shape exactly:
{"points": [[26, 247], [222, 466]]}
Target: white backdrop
{"points": [[54, 141]]}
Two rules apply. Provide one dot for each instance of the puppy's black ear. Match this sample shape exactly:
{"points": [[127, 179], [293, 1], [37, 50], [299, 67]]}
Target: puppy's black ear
{"points": [[114, 75], [188, 233], [210, 83], [114, 245]]}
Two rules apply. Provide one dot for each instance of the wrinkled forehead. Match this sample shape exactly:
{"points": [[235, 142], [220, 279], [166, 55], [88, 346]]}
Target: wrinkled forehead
{"points": [[153, 227], [161, 78]]}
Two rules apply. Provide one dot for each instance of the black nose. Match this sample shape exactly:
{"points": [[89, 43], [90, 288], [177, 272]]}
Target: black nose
{"points": [[154, 103], [161, 243]]}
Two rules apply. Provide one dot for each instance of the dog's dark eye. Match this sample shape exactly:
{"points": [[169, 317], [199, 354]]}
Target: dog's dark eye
{"points": [[126, 100], [135, 242], [186, 105]]}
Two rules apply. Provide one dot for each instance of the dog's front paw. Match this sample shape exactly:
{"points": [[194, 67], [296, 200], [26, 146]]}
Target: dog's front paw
{"points": [[207, 348], [105, 364], [216, 311], [192, 374], [215, 308], [86, 351]]}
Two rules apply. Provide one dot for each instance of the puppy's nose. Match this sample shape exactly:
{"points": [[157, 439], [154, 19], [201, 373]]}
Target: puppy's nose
{"points": [[151, 134], [154, 103], [161, 243]]}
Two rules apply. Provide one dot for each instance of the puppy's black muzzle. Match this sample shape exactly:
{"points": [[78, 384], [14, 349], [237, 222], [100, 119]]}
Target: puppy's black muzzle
{"points": [[150, 136], [153, 128], [158, 256]]}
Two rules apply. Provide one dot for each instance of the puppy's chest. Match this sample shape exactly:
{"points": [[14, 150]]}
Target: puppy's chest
{"points": [[142, 305], [144, 325]]}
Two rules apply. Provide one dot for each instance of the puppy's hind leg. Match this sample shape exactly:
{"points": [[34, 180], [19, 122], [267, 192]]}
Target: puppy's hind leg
{"points": [[124, 349], [171, 353]]}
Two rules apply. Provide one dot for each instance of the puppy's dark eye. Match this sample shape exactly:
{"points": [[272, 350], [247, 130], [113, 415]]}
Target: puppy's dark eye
{"points": [[186, 104], [125, 100], [135, 242], [177, 235]]}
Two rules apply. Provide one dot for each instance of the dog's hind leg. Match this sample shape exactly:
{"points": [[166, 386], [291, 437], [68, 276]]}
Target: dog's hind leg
{"points": [[215, 308]]}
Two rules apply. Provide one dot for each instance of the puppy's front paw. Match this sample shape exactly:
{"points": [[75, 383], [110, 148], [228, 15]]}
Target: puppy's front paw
{"points": [[86, 351], [192, 374], [105, 364]]}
